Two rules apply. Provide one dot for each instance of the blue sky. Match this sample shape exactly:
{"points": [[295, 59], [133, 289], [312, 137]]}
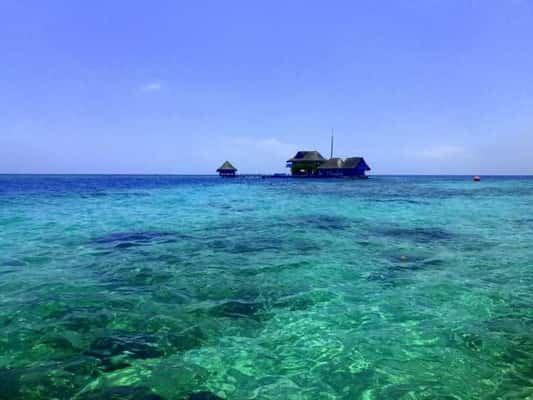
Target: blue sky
{"points": [[178, 87]]}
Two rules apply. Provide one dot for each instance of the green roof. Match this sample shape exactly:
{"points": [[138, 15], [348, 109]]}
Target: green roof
{"points": [[226, 167]]}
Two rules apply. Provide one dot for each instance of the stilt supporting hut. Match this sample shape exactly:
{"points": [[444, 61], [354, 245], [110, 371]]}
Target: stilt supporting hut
{"points": [[227, 170]]}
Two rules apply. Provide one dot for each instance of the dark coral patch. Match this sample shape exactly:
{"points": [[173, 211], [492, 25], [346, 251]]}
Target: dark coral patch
{"points": [[418, 235], [186, 340], [510, 325], [236, 309], [85, 319], [9, 383], [402, 266], [147, 276], [472, 341], [399, 200], [300, 246], [44, 381], [203, 396], [122, 393], [84, 366], [62, 347], [274, 269], [323, 222], [124, 240], [115, 351], [417, 265]]}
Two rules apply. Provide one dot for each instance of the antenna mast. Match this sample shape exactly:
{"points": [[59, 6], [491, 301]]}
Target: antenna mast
{"points": [[331, 152]]}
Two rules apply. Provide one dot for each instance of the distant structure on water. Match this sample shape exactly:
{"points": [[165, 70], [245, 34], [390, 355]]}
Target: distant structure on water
{"points": [[312, 164], [227, 170], [351, 167], [305, 163]]}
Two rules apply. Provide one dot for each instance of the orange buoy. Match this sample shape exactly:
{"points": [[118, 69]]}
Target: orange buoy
{"points": [[477, 178]]}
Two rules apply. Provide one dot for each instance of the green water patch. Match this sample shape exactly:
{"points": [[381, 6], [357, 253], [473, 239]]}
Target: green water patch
{"points": [[390, 278], [59, 345], [411, 255], [323, 222], [236, 309], [249, 245], [237, 207], [46, 381], [170, 295], [121, 393], [128, 278], [395, 287], [186, 339], [9, 383], [255, 243], [203, 396], [511, 325], [10, 262], [86, 319], [19, 347], [260, 309], [124, 240], [399, 265], [129, 272], [422, 235], [140, 393], [254, 269], [304, 301], [470, 340], [411, 264], [117, 350], [7, 269]]}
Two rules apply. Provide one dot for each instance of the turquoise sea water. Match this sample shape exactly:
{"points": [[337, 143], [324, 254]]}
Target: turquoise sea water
{"points": [[146, 287]]}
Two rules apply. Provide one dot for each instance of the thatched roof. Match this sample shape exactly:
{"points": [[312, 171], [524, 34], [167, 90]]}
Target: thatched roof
{"points": [[353, 162], [307, 156], [226, 167], [349, 163], [332, 163]]}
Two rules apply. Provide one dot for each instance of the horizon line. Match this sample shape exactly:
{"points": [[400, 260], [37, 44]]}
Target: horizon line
{"points": [[245, 174]]}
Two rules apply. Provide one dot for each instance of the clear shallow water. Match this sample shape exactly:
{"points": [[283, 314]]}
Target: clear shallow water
{"points": [[189, 287]]}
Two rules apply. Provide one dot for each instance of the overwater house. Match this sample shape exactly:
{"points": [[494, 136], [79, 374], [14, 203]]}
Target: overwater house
{"points": [[355, 167], [312, 164], [305, 163], [227, 170]]}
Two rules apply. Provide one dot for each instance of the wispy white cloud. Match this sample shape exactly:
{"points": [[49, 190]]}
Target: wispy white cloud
{"points": [[152, 86], [437, 152]]}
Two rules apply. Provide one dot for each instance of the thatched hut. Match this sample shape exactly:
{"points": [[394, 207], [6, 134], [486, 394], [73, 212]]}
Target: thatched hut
{"points": [[305, 163], [227, 170]]}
